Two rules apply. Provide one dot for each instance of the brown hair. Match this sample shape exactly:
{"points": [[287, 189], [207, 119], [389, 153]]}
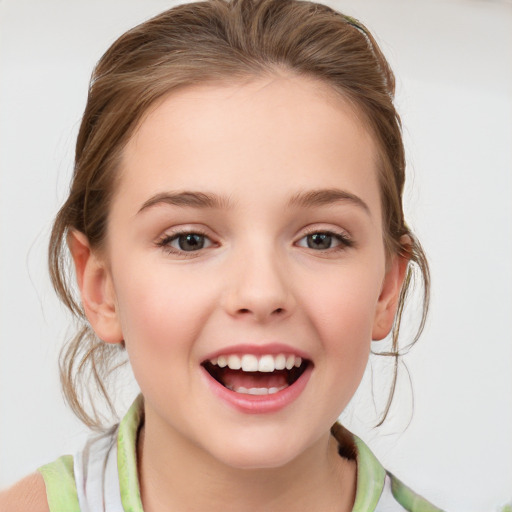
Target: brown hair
{"points": [[218, 41]]}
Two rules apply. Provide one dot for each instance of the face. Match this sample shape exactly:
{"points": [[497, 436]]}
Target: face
{"points": [[245, 266]]}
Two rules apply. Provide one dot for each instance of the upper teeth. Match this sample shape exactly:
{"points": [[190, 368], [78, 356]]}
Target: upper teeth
{"points": [[251, 363]]}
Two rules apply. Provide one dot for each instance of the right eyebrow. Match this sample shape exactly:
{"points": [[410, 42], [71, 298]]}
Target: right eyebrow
{"points": [[325, 197], [187, 198]]}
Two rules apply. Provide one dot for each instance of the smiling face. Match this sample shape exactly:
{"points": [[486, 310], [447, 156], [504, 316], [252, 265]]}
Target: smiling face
{"points": [[245, 267]]}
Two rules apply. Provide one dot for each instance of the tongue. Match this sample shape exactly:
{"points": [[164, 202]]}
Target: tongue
{"points": [[237, 378]]}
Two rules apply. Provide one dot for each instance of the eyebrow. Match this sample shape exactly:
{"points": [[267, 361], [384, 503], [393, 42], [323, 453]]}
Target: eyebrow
{"points": [[325, 197], [312, 198], [190, 199]]}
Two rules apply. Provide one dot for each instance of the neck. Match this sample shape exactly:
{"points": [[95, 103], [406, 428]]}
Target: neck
{"points": [[175, 475]]}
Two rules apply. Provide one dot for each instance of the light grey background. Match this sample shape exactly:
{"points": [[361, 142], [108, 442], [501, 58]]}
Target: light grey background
{"points": [[453, 63]]}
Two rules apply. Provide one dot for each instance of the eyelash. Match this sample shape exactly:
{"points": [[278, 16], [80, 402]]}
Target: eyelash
{"points": [[343, 239]]}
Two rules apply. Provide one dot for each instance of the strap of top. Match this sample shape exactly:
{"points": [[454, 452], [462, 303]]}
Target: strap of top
{"points": [[378, 488], [127, 456], [59, 480], [370, 478], [409, 499], [87, 478], [96, 474]]}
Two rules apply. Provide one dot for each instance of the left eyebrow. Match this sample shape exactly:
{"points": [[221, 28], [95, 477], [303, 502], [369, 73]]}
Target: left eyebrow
{"points": [[323, 197], [187, 199]]}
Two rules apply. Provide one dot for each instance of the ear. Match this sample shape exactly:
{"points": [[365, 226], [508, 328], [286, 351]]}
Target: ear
{"points": [[96, 289], [389, 295]]}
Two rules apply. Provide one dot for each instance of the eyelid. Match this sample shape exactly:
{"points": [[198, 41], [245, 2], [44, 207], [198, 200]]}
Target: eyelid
{"points": [[309, 230]]}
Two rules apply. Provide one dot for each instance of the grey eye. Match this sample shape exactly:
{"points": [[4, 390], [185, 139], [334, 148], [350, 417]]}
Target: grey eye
{"points": [[320, 241], [189, 242], [325, 240]]}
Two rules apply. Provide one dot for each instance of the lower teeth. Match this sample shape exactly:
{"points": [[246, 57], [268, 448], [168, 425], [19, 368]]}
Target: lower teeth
{"points": [[256, 391]]}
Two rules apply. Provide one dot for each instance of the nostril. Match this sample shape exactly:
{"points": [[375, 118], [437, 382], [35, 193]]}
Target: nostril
{"points": [[258, 312]]}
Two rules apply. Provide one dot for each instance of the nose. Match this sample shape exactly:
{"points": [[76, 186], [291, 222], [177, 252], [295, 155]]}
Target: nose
{"points": [[259, 286]]}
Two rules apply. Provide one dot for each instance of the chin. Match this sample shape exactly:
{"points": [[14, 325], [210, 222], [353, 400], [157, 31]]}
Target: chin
{"points": [[257, 460], [258, 452]]}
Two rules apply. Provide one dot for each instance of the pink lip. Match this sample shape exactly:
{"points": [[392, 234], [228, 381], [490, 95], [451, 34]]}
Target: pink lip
{"points": [[259, 350], [258, 404]]}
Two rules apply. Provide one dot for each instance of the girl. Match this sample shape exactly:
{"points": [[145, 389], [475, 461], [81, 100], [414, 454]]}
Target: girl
{"points": [[236, 227]]}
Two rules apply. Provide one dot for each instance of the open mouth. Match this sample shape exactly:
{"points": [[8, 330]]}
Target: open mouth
{"points": [[256, 375]]}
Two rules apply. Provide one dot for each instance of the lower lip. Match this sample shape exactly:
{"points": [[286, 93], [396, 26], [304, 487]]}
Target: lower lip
{"points": [[259, 404]]}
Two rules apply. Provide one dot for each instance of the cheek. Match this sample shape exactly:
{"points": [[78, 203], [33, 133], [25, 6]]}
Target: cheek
{"points": [[161, 312], [343, 310]]}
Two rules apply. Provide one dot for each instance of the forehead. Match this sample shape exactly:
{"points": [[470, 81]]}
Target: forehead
{"points": [[293, 132]]}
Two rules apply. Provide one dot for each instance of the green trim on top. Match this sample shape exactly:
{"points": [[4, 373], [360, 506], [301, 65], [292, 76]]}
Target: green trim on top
{"points": [[370, 479], [127, 457], [59, 480], [62, 496], [410, 500]]}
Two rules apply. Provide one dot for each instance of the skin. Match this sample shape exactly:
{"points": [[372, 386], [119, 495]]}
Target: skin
{"points": [[27, 494], [257, 146]]}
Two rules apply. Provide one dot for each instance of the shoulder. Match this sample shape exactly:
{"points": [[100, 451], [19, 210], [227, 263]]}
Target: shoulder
{"points": [[27, 494], [52, 487]]}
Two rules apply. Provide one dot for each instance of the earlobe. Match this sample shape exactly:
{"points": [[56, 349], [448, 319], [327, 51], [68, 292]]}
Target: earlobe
{"points": [[96, 289], [389, 296]]}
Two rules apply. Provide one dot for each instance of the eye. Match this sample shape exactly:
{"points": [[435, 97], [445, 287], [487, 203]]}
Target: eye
{"points": [[185, 242], [325, 240]]}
